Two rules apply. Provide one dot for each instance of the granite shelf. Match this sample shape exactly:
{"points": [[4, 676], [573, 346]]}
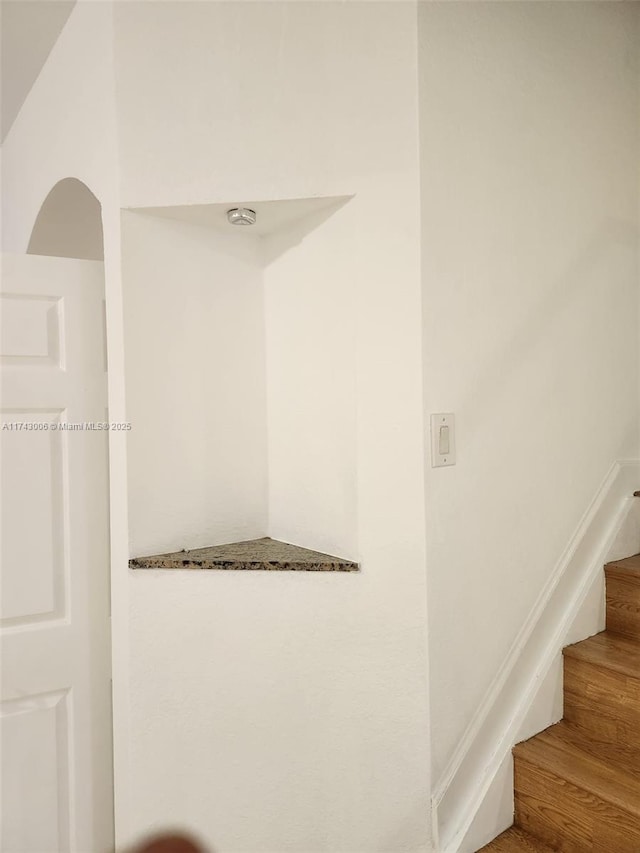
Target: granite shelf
{"points": [[255, 555]]}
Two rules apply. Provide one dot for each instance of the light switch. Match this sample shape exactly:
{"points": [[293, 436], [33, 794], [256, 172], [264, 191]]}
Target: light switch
{"points": [[443, 441], [443, 448]]}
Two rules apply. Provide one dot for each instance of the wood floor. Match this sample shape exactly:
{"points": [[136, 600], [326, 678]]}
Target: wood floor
{"points": [[577, 784]]}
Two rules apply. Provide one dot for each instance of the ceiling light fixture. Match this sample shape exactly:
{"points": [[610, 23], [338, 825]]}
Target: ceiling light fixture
{"points": [[241, 216]]}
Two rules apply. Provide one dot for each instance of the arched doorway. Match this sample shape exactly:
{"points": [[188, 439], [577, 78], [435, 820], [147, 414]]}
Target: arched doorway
{"points": [[69, 223], [56, 686]]}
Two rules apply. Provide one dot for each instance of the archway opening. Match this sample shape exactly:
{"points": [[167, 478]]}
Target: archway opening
{"points": [[69, 224]]}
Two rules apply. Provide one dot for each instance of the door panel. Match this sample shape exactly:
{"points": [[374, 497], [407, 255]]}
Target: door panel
{"points": [[57, 792], [35, 746], [33, 459], [30, 329]]}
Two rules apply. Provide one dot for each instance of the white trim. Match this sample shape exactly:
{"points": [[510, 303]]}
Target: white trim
{"points": [[494, 729], [118, 494]]}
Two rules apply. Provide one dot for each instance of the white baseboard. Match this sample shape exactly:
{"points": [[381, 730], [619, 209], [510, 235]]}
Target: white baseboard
{"points": [[608, 530]]}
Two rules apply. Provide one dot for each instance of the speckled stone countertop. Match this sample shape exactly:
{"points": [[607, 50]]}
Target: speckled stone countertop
{"points": [[255, 555]]}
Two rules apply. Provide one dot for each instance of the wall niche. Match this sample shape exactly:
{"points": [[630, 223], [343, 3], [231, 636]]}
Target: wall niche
{"points": [[240, 347]]}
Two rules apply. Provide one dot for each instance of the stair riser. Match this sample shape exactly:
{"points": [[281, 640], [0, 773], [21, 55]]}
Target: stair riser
{"points": [[623, 607], [570, 818], [602, 702]]}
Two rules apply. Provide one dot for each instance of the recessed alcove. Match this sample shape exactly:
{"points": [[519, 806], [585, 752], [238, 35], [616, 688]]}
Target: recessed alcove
{"points": [[240, 360]]}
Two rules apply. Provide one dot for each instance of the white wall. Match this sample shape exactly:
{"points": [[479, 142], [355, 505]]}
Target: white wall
{"points": [[28, 32], [288, 712], [66, 127], [194, 341], [529, 153], [311, 330]]}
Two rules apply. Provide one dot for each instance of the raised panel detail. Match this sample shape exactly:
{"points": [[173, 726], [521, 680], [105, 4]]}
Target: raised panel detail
{"points": [[35, 774], [33, 517], [31, 330]]}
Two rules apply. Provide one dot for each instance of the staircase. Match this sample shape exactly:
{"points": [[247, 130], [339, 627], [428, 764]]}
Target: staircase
{"points": [[577, 784]]}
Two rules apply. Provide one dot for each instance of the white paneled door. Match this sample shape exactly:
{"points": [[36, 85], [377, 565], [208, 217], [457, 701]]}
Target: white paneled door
{"points": [[57, 780]]}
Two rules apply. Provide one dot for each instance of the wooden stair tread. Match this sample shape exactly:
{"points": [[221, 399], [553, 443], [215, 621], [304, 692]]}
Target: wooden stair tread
{"points": [[619, 754], [557, 754], [627, 569], [516, 840], [608, 650]]}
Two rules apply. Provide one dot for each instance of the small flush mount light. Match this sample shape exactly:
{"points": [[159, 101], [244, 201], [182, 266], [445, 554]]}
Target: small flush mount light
{"points": [[241, 216]]}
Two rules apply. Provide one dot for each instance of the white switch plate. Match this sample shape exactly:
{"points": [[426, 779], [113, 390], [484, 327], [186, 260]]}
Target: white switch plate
{"points": [[443, 429]]}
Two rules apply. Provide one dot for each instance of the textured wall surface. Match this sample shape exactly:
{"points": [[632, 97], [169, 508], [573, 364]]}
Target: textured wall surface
{"points": [[529, 156]]}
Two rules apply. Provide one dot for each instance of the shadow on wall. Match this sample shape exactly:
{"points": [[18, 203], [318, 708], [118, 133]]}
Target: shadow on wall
{"points": [[69, 224], [172, 843]]}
